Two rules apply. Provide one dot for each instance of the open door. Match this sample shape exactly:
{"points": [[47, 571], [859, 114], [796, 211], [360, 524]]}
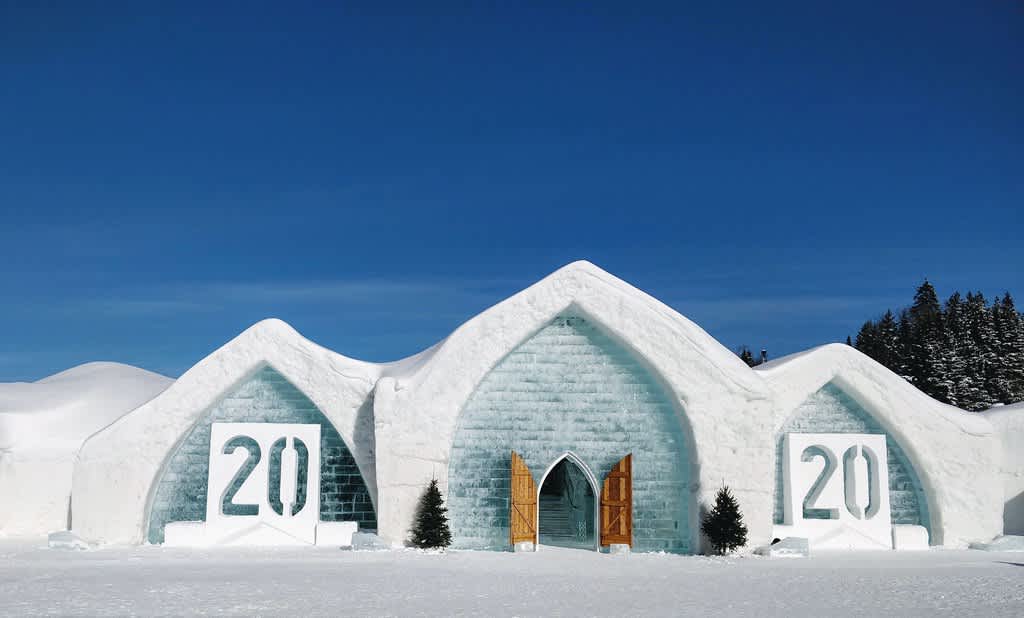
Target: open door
{"points": [[617, 504], [523, 518]]}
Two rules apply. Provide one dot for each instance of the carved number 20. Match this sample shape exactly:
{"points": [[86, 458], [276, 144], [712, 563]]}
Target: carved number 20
{"points": [[812, 511], [229, 507]]}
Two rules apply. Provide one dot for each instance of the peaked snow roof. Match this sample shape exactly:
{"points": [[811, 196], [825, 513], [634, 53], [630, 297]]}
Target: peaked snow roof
{"points": [[799, 375], [574, 288], [949, 448], [126, 458]]}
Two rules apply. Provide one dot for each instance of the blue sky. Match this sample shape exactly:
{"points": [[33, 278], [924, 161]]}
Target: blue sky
{"points": [[376, 174]]}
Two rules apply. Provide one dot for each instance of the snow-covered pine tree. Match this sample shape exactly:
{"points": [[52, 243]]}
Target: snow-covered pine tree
{"points": [[888, 341], [1017, 342], [966, 353], [1008, 380], [747, 356], [957, 349], [867, 340], [904, 328], [431, 526], [980, 359], [724, 525], [927, 362]]}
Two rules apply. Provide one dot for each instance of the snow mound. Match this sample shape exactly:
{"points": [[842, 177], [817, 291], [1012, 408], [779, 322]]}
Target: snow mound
{"points": [[789, 547], [1009, 542], [70, 406], [368, 541], [42, 426], [65, 540]]}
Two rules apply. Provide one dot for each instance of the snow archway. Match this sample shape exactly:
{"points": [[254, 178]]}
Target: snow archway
{"points": [[831, 410], [571, 388], [266, 397]]}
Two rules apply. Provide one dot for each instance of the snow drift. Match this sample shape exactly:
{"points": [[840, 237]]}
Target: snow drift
{"points": [[42, 426]]}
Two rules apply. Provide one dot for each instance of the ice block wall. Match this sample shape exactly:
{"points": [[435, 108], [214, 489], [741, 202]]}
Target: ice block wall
{"points": [[570, 388], [267, 397], [830, 410]]}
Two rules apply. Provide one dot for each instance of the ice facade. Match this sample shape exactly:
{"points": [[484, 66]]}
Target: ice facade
{"points": [[266, 397], [570, 388], [830, 410]]}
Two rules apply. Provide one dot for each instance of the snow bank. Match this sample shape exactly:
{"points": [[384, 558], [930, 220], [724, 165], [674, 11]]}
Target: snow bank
{"points": [[1008, 422], [1003, 543], [66, 539], [42, 426], [789, 547]]}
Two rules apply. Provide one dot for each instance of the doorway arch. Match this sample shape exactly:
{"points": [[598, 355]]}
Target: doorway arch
{"points": [[568, 505], [571, 387], [267, 396]]}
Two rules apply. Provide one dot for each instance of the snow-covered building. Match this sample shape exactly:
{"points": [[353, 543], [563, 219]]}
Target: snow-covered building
{"points": [[579, 412]]}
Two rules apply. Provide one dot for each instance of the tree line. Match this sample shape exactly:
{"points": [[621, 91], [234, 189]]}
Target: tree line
{"points": [[966, 352]]}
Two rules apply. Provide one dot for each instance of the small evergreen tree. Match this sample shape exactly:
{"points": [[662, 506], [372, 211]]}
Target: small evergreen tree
{"points": [[724, 525], [747, 356], [431, 527]]}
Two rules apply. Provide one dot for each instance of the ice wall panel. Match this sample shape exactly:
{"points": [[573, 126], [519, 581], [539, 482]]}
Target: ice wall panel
{"points": [[569, 388], [268, 397], [830, 410]]}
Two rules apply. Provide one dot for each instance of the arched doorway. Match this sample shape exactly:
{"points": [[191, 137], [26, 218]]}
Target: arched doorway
{"points": [[833, 410], [265, 397], [570, 388], [567, 506]]}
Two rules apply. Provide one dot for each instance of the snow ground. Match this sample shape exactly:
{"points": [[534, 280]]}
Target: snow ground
{"points": [[314, 582]]}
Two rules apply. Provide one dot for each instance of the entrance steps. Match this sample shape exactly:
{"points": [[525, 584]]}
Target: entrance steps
{"points": [[556, 523]]}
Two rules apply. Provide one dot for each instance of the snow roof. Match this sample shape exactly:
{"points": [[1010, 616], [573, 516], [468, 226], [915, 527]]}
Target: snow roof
{"points": [[803, 373], [579, 287]]}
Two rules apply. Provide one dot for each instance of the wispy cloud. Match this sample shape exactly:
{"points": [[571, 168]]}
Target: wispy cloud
{"points": [[130, 307], [354, 295], [760, 308]]}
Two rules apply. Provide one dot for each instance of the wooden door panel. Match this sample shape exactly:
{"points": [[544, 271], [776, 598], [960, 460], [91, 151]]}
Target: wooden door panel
{"points": [[523, 516], [617, 504]]}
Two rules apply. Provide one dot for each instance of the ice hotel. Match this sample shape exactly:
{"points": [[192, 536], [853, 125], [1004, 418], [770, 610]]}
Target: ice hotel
{"points": [[580, 412]]}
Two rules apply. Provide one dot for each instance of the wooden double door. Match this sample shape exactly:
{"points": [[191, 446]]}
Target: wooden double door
{"points": [[615, 507]]}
